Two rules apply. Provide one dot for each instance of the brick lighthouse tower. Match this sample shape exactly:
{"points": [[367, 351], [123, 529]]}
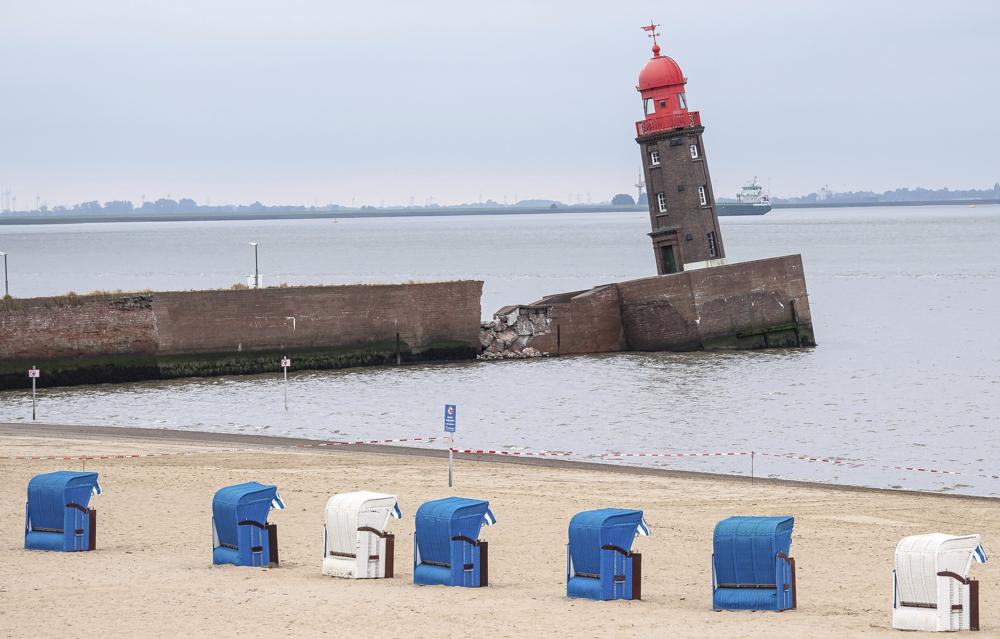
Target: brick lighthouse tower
{"points": [[681, 203]]}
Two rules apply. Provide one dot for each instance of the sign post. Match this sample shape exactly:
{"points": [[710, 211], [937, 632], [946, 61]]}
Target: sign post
{"points": [[34, 374], [285, 363], [450, 411]]}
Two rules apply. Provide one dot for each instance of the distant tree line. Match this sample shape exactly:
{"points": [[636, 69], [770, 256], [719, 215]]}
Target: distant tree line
{"points": [[187, 206], [183, 205], [896, 195]]}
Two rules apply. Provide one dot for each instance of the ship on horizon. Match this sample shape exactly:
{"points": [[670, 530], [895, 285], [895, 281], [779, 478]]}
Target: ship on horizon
{"points": [[751, 200]]}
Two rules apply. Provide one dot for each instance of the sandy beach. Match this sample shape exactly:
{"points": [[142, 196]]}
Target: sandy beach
{"points": [[151, 575]]}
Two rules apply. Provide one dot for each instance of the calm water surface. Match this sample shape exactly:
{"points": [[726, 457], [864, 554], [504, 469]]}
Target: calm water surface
{"points": [[905, 303]]}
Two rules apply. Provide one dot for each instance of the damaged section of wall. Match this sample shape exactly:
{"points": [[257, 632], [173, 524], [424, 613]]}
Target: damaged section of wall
{"points": [[583, 322], [512, 329], [745, 305]]}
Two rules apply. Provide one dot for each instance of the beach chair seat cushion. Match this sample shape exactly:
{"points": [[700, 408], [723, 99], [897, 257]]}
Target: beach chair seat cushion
{"points": [[36, 540], [339, 567], [223, 555], [432, 575], [746, 599], [584, 587]]}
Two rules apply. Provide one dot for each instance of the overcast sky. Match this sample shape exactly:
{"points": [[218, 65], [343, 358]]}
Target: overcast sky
{"points": [[322, 101]]}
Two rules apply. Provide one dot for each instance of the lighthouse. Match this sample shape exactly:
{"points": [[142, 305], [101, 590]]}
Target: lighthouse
{"points": [[685, 226]]}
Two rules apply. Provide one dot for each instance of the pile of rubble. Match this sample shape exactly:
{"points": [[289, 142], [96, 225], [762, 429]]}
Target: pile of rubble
{"points": [[509, 335]]}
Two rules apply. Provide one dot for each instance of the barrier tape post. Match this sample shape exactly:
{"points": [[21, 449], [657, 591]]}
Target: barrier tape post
{"points": [[752, 454]]}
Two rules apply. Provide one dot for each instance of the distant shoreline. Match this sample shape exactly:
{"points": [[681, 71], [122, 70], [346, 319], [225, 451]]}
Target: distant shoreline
{"points": [[71, 218], [840, 205]]}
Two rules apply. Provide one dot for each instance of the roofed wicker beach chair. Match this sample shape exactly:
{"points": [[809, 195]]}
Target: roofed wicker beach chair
{"points": [[240, 533], [751, 569], [446, 546], [57, 515], [355, 544], [930, 585], [600, 563]]}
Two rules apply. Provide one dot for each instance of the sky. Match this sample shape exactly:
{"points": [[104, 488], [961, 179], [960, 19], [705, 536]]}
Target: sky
{"points": [[320, 101]]}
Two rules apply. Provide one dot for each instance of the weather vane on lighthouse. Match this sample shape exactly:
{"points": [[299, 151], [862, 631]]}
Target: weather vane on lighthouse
{"points": [[650, 29]]}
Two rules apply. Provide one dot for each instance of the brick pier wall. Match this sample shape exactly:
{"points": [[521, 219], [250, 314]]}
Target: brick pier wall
{"points": [[756, 304], [742, 305], [89, 339]]}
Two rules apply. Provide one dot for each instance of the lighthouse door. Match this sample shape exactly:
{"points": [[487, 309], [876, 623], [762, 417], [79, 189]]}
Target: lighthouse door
{"points": [[668, 260]]}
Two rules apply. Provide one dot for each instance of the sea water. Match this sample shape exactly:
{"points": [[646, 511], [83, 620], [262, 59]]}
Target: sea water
{"points": [[905, 304]]}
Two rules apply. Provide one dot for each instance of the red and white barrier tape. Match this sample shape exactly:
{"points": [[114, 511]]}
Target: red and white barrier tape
{"points": [[123, 456], [403, 440], [216, 450], [730, 454], [512, 453], [848, 462]]}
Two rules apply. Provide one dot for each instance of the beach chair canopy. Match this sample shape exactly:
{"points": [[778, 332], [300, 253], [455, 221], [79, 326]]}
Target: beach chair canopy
{"points": [[590, 530], [439, 520], [243, 502], [347, 512], [745, 548], [49, 493], [920, 558]]}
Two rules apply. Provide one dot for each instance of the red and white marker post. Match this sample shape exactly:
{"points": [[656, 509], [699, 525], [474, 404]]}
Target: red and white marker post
{"points": [[285, 363], [34, 374]]}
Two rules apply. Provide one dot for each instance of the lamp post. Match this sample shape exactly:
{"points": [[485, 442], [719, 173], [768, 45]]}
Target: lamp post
{"points": [[256, 271], [6, 288]]}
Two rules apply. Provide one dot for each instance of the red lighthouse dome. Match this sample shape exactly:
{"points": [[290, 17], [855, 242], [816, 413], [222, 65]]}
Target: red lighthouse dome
{"points": [[660, 71], [661, 84]]}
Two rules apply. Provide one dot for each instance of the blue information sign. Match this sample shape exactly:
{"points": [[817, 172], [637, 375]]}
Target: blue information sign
{"points": [[449, 418]]}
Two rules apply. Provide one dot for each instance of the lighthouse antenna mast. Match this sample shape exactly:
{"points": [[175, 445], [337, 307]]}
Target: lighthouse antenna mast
{"points": [[651, 31]]}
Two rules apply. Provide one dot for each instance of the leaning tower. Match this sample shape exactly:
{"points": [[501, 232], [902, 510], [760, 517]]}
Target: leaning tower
{"points": [[685, 227]]}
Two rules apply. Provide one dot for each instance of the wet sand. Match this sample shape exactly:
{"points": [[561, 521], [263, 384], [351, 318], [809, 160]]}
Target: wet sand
{"points": [[151, 575]]}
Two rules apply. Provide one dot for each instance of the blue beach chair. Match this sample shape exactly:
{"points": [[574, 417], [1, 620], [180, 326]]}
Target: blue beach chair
{"points": [[751, 569], [600, 563], [57, 515], [240, 533], [446, 547]]}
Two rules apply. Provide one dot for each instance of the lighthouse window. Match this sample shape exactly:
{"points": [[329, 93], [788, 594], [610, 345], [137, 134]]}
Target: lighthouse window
{"points": [[682, 101], [663, 104], [713, 250], [702, 196], [661, 201], [694, 151], [654, 158], [649, 106]]}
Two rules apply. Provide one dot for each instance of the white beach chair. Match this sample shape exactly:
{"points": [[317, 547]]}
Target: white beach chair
{"points": [[355, 544], [930, 586]]}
